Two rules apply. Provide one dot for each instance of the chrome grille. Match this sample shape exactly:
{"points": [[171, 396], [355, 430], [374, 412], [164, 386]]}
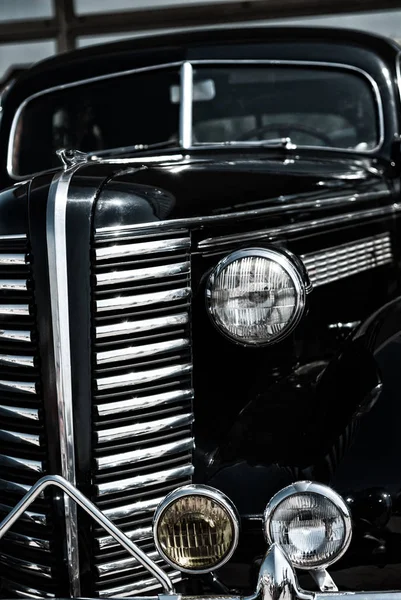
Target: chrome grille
{"points": [[348, 259], [142, 407], [27, 562]]}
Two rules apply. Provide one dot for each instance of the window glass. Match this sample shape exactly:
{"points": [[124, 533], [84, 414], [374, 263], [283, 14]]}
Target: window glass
{"points": [[101, 6], [312, 106], [112, 113], [24, 53], [25, 9]]}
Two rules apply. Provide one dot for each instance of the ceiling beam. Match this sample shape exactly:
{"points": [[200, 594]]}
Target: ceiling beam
{"points": [[216, 13], [26, 31], [66, 26]]}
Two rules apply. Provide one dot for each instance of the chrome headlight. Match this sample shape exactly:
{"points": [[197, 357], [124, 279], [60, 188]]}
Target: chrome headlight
{"points": [[310, 522], [257, 296], [196, 529]]}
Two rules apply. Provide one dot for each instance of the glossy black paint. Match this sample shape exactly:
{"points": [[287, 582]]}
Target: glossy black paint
{"points": [[306, 407], [267, 417]]}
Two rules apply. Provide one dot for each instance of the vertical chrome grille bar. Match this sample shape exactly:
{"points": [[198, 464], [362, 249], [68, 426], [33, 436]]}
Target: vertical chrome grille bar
{"points": [[57, 257]]}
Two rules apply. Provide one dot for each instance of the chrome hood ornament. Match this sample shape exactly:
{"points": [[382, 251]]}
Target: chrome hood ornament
{"points": [[70, 158]]}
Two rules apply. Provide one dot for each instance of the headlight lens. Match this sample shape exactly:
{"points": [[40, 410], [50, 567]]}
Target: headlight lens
{"points": [[311, 523], [256, 296], [196, 529]]}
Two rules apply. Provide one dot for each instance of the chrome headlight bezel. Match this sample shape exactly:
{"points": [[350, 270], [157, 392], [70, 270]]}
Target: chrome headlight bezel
{"points": [[215, 496], [294, 268], [311, 487]]}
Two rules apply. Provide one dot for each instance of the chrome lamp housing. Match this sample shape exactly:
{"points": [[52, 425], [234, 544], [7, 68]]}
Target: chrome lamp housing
{"points": [[257, 296]]}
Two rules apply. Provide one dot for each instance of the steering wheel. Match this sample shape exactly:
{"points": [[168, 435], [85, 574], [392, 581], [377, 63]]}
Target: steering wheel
{"points": [[283, 130]]}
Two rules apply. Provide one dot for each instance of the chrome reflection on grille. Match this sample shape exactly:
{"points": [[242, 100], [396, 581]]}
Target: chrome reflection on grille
{"points": [[348, 259], [142, 408], [26, 555]]}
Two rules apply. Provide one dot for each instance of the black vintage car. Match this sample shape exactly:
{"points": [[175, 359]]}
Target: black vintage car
{"points": [[200, 319]]}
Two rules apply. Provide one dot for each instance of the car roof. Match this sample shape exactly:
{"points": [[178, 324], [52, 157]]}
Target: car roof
{"points": [[149, 49]]}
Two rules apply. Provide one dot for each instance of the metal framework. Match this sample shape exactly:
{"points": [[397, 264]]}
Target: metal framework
{"points": [[66, 26]]}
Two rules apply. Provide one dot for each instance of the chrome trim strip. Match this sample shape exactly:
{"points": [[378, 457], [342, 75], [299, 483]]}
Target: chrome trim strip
{"points": [[135, 275], [13, 236], [95, 514], [56, 88], [22, 591], [13, 462], [141, 377], [293, 228], [136, 352], [16, 437], [183, 108], [18, 386], [15, 335], [59, 303], [341, 201], [130, 327], [123, 564], [139, 248], [17, 412], [141, 402], [13, 360], [398, 72], [338, 262], [135, 483], [14, 309], [347, 270], [134, 508], [14, 488], [136, 535], [28, 541], [26, 566], [186, 85], [274, 233], [142, 300], [13, 259], [150, 584], [152, 452], [138, 429], [14, 285], [30, 517]]}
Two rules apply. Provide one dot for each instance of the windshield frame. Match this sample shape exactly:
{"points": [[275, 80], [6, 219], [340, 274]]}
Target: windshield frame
{"points": [[185, 125]]}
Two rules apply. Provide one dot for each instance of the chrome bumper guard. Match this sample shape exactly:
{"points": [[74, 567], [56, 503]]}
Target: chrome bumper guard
{"points": [[277, 579]]}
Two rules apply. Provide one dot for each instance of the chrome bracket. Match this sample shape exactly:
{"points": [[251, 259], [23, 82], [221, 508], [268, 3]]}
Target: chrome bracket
{"points": [[324, 580], [96, 514]]}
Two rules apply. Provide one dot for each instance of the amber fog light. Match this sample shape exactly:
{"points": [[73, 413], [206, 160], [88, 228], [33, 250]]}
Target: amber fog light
{"points": [[310, 522], [257, 296], [196, 529]]}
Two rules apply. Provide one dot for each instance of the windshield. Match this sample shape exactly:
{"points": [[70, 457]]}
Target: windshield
{"points": [[240, 104], [111, 113], [313, 106]]}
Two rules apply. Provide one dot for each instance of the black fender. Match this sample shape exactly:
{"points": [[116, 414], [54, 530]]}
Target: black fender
{"points": [[303, 425]]}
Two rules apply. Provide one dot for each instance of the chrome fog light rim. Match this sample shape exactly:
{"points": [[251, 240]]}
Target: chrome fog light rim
{"points": [[310, 487], [292, 266], [202, 491]]}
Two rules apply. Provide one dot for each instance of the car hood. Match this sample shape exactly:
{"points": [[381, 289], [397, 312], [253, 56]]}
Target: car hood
{"points": [[203, 187]]}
